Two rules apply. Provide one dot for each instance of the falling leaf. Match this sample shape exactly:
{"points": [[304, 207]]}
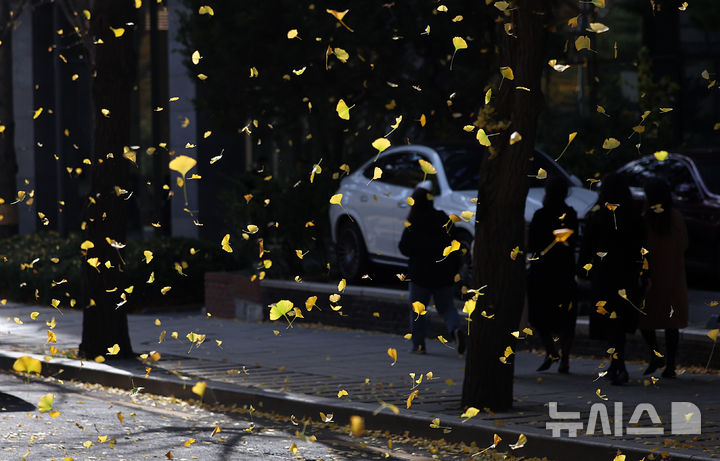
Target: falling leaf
{"points": [[37, 113], [471, 412], [225, 244], [507, 73], [342, 393], [189, 442], [336, 199], [610, 143], [341, 54], [339, 15], [454, 246], [712, 334], [341, 285], [582, 43], [598, 27], [522, 440], [381, 144], [196, 57], [392, 352], [206, 10], [410, 398], [343, 110], [488, 95], [292, 33], [427, 167], [182, 164], [118, 32], [482, 138], [199, 388], [515, 137], [114, 350], [661, 155], [46, 403], [357, 425], [280, 309], [459, 43]]}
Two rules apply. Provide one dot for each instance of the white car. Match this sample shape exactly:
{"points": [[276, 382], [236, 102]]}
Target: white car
{"points": [[368, 226]]}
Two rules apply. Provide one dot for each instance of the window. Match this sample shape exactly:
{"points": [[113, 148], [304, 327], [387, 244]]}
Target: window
{"points": [[673, 170], [402, 169]]}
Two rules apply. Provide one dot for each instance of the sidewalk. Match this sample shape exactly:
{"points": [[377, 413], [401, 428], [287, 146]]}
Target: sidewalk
{"points": [[300, 371]]}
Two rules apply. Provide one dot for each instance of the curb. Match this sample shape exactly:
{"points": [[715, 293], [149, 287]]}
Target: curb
{"points": [[540, 443]]}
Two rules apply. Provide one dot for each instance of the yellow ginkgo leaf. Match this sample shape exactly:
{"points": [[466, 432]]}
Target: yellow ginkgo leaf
{"points": [[52, 338], [292, 33], [148, 256], [225, 244], [114, 350], [343, 110], [582, 43], [427, 167], [27, 364], [522, 440], [196, 57], [712, 334], [336, 199], [206, 10], [86, 245], [341, 285], [381, 144], [482, 137], [392, 352], [488, 95], [87, 14], [661, 155], [377, 173], [610, 143], [507, 73], [419, 308], [469, 306], [118, 32], [310, 303], [46, 403], [598, 27], [471, 412], [199, 388], [459, 43], [410, 398], [280, 309], [357, 425], [454, 246], [182, 164], [339, 15], [515, 137], [341, 54], [342, 393]]}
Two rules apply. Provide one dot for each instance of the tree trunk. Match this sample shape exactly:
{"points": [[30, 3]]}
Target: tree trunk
{"points": [[105, 317], [8, 164], [500, 213]]}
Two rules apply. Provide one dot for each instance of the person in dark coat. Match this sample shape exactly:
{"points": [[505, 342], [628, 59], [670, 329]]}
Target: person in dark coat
{"points": [[431, 274], [552, 239], [611, 253], [666, 298]]}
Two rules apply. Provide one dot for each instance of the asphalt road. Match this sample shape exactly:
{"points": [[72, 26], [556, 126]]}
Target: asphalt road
{"points": [[106, 423]]}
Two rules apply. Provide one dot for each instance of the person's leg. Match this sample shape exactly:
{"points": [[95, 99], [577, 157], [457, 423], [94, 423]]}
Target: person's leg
{"points": [[654, 362], [417, 322], [617, 372], [672, 340], [444, 298], [566, 340]]}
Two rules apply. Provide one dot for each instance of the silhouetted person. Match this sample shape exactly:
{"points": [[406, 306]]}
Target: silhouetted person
{"points": [[551, 279], [612, 243], [666, 298], [431, 274]]}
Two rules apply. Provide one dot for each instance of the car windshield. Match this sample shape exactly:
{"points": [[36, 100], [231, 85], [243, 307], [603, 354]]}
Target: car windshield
{"points": [[709, 169], [462, 166]]}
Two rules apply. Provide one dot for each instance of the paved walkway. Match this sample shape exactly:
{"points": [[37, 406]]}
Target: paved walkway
{"points": [[320, 361]]}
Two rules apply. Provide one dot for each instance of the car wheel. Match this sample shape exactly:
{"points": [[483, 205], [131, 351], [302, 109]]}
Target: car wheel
{"points": [[351, 252]]}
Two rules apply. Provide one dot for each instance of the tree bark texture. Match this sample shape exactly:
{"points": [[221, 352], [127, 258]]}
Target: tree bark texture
{"points": [[500, 223], [8, 163], [105, 317]]}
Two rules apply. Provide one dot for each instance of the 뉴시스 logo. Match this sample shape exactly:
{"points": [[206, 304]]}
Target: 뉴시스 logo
{"points": [[685, 419]]}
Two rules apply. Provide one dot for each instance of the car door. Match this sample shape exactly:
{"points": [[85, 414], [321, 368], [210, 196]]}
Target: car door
{"points": [[386, 202]]}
